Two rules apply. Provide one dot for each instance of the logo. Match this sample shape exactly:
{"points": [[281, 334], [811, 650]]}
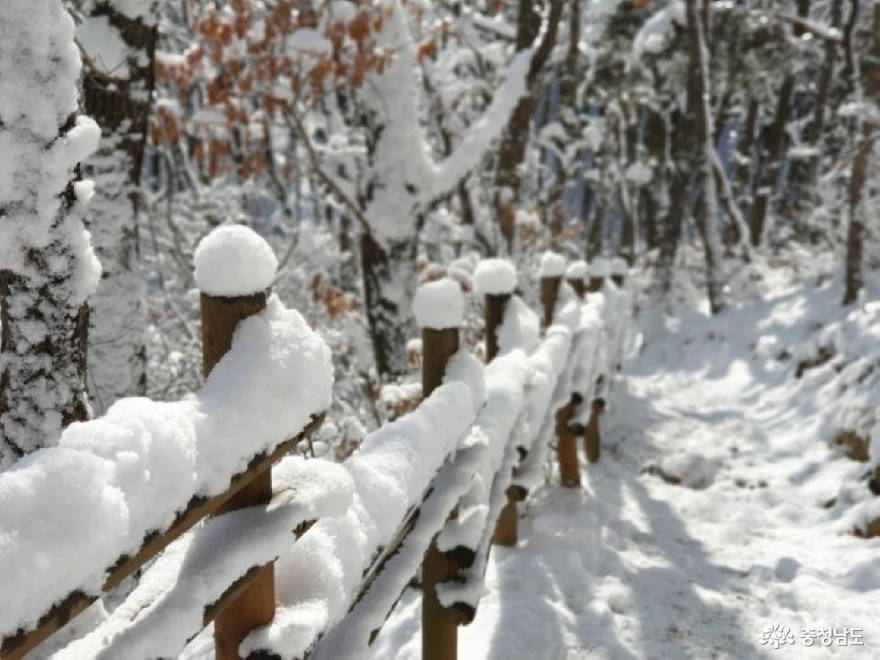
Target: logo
{"points": [[777, 636]]}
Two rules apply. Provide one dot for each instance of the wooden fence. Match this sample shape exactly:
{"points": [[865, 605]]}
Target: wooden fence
{"points": [[250, 602]]}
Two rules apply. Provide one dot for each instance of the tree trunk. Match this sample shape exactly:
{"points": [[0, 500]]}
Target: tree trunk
{"points": [[860, 170], [389, 284], [707, 211], [47, 269], [744, 164], [816, 127], [596, 236], [567, 111], [685, 157], [771, 163], [652, 194], [119, 99], [512, 149]]}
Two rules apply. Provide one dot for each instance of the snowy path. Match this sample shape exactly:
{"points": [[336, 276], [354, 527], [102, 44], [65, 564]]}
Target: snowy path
{"points": [[634, 567]]}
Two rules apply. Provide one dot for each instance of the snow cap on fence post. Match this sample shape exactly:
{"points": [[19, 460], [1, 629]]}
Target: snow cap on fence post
{"points": [[234, 269], [439, 309], [600, 268], [496, 280], [575, 274], [618, 271], [552, 270], [232, 261]]}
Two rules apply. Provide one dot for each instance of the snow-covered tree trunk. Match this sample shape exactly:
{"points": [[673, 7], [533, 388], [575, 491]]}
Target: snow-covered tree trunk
{"points": [[389, 284], [816, 127], [771, 162], [861, 166], [707, 211], [119, 41], [403, 179], [684, 143], [569, 77], [512, 150], [47, 264]]}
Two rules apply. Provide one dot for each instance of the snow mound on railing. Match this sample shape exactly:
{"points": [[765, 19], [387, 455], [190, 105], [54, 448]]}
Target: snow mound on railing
{"points": [[392, 470], [521, 328], [166, 608], [67, 513]]}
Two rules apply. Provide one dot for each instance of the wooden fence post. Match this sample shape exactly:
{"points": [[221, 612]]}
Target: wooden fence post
{"points": [[566, 440], [495, 306], [618, 272], [549, 295], [566, 444], [598, 273], [256, 605], [222, 273], [574, 275], [439, 625], [592, 435]]}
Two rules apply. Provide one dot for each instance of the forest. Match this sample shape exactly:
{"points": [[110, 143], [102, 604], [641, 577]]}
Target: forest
{"points": [[308, 306]]}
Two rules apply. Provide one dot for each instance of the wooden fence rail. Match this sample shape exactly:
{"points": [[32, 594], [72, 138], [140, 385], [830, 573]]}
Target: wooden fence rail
{"points": [[250, 602]]}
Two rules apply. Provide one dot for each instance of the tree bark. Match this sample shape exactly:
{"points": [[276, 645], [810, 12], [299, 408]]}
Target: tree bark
{"points": [[860, 170], [48, 269], [707, 211], [512, 149], [567, 111], [652, 195], [389, 283], [771, 163]]}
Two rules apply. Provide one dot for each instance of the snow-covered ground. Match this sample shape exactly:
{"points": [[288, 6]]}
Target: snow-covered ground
{"points": [[632, 566]]}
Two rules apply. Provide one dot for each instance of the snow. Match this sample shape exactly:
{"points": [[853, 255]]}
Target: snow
{"points": [[462, 444], [618, 266], [306, 40], [639, 173], [577, 270], [439, 305], [495, 277], [233, 260], [552, 264], [632, 566], [104, 45], [506, 379], [404, 176], [600, 267], [69, 512], [658, 30], [391, 470], [521, 327], [166, 608], [146, 10], [43, 240]]}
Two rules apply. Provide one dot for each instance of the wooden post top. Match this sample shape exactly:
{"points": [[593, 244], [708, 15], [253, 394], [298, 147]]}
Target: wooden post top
{"points": [[220, 318], [549, 295]]}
